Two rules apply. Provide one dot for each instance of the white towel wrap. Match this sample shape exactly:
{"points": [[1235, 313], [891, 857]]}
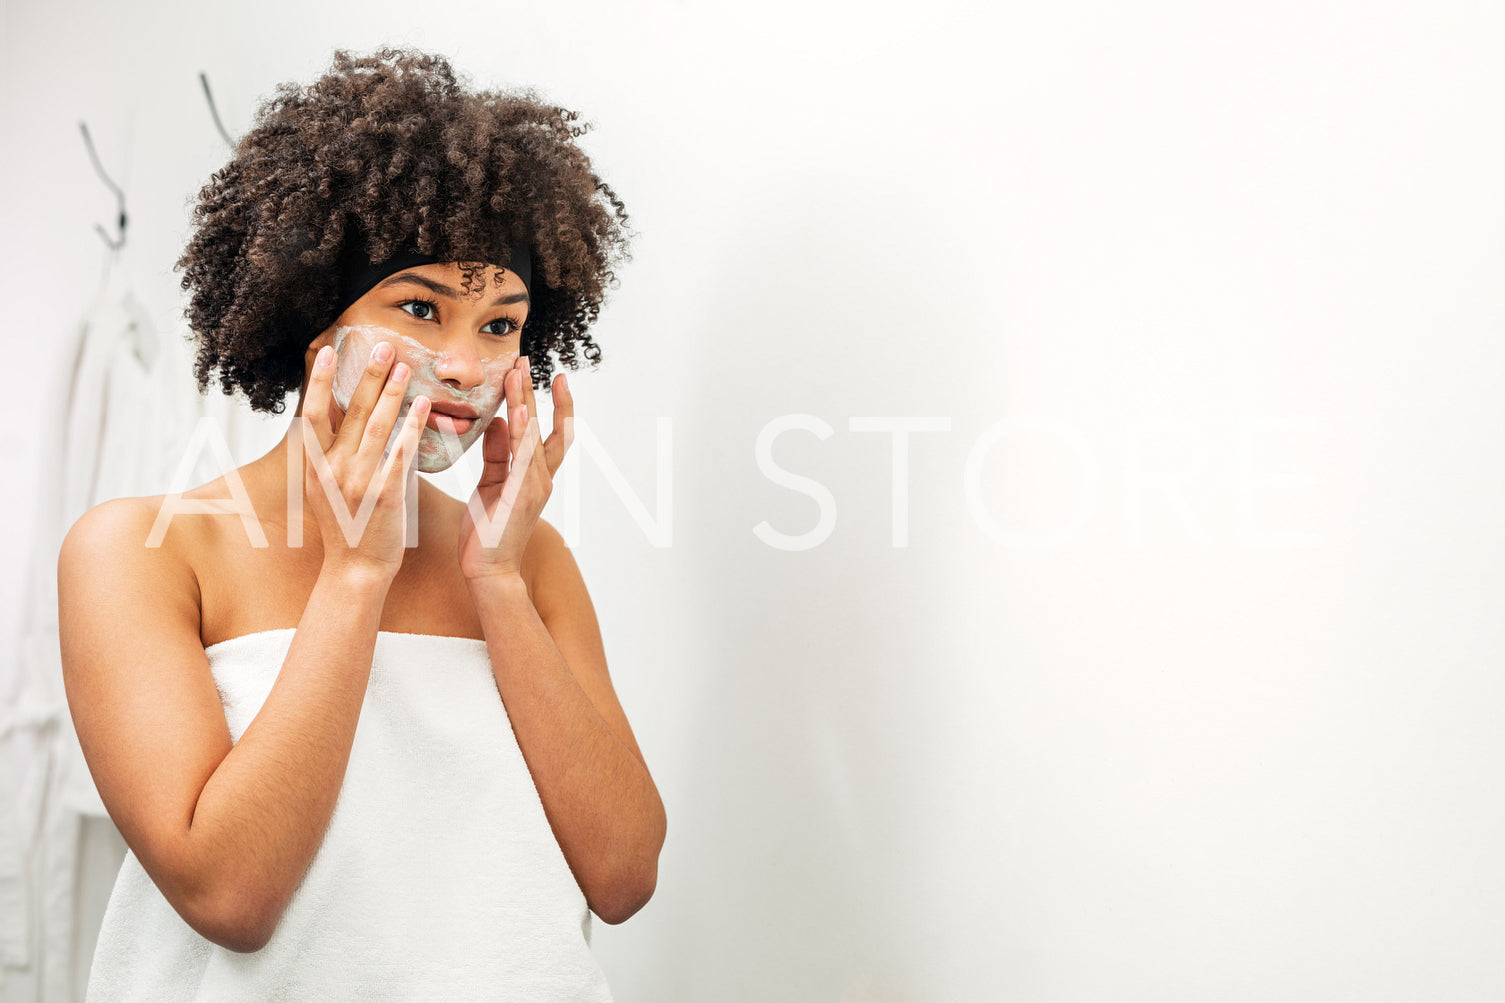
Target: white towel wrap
{"points": [[438, 877]]}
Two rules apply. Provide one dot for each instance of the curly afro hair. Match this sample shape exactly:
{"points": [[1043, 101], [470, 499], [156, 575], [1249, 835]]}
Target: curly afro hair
{"points": [[387, 152]]}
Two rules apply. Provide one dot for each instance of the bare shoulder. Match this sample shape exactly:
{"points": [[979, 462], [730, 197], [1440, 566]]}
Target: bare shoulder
{"points": [[145, 533], [549, 566], [115, 563], [546, 541], [118, 533], [128, 533], [109, 520]]}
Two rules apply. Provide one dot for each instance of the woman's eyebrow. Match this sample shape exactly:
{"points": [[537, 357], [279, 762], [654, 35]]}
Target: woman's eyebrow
{"points": [[440, 289]]}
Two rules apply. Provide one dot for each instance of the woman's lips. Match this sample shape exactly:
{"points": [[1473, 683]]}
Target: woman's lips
{"points": [[447, 424]]}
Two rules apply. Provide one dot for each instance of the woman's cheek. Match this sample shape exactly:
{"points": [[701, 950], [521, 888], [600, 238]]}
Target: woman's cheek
{"points": [[492, 393], [352, 350], [490, 402]]}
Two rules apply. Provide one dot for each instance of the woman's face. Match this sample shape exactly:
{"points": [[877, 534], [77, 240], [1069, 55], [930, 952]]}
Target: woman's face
{"points": [[459, 344]]}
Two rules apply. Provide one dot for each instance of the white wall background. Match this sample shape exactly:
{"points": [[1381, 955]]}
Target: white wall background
{"points": [[1230, 278]]}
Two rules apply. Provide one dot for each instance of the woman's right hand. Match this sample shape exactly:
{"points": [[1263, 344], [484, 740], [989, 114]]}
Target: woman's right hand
{"points": [[343, 463]]}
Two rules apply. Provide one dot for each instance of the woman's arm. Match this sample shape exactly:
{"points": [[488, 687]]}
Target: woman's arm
{"points": [[550, 669], [225, 832]]}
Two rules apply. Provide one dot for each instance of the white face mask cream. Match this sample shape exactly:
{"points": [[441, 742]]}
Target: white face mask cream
{"points": [[444, 437]]}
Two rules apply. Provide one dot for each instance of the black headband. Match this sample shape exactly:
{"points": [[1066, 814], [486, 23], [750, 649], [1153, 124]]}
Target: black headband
{"points": [[360, 276]]}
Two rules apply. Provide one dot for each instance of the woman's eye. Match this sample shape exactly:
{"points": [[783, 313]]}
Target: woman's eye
{"points": [[507, 327], [419, 309]]}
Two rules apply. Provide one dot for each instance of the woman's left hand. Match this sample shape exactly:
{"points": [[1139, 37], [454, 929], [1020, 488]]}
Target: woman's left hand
{"points": [[517, 478]]}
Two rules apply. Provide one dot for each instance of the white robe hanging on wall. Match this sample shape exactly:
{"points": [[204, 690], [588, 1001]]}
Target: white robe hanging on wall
{"points": [[131, 405]]}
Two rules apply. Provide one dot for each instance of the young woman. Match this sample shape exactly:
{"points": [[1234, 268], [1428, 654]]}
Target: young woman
{"points": [[360, 737]]}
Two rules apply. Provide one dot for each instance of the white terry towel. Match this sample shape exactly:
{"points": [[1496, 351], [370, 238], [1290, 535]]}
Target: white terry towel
{"points": [[438, 877]]}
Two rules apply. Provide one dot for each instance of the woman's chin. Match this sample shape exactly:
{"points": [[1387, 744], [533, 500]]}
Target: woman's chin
{"points": [[440, 452], [433, 464]]}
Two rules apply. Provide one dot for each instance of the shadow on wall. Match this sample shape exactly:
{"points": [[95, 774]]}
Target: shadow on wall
{"points": [[799, 837]]}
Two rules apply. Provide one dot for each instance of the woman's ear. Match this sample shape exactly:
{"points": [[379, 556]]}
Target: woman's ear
{"points": [[326, 337]]}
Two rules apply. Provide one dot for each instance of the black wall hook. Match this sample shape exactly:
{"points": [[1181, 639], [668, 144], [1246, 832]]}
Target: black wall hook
{"points": [[118, 241], [214, 112]]}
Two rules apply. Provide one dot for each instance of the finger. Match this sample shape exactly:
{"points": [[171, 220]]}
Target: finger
{"points": [[528, 387], [525, 385], [532, 402], [367, 393], [563, 432], [517, 419], [535, 432], [512, 385], [320, 396], [495, 453], [384, 416], [405, 449], [523, 460], [533, 458]]}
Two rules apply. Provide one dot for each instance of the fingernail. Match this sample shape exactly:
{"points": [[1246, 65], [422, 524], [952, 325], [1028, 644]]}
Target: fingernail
{"points": [[382, 352], [325, 358], [400, 371], [527, 362]]}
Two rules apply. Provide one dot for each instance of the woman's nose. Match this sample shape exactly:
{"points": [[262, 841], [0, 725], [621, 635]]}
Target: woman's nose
{"points": [[459, 364]]}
